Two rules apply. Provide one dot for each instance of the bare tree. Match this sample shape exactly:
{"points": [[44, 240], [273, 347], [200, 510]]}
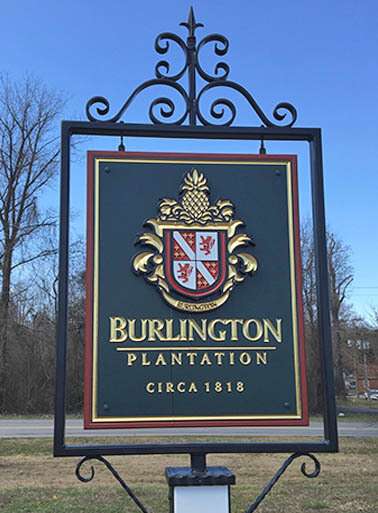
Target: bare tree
{"points": [[311, 318], [373, 331], [28, 161], [340, 278], [374, 318]]}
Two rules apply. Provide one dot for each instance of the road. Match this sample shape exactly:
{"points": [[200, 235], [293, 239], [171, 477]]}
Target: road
{"points": [[35, 428]]}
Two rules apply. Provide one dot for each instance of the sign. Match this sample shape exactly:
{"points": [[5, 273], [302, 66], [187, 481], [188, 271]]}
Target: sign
{"points": [[193, 308]]}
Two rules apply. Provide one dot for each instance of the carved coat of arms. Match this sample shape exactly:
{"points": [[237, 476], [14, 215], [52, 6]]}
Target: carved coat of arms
{"points": [[193, 259]]}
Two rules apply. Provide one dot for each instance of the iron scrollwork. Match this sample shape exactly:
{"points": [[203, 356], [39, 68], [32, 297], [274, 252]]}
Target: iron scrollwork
{"points": [[268, 487], [222, 111], [259, 499], [87, 478]]}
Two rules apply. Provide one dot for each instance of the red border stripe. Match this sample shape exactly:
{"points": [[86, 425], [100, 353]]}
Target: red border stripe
{"points": [[88, 336]]}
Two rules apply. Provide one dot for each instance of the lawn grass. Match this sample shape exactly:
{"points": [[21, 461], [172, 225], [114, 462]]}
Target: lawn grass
{"points": [[32, 481], [38, 416], [359, 403], [365, 418]]}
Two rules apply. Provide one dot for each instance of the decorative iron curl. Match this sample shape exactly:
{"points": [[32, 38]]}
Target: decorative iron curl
{"points": [[252, 102], [217, 111], [101, 459], [162, 46], [268, 487], [222, 110], [220, 48], [102, 104], [289, 108]]}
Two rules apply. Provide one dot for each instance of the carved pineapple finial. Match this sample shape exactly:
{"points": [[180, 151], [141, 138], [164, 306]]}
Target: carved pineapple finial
{"points": [[195, 207], [196, 194]]}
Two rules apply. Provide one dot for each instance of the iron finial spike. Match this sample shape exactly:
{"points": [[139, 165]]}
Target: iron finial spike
{"points": [[191, 24], [191, 20]]}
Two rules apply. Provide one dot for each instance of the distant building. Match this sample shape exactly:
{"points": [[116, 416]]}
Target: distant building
{"points": [[372, 377], [357, 382]]}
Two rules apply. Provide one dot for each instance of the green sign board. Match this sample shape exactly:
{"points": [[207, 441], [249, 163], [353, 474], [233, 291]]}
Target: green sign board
{"points": [[193, 311]]}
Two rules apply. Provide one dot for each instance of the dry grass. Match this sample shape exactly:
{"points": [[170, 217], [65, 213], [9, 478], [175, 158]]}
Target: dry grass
{"points": [[32, 481]]}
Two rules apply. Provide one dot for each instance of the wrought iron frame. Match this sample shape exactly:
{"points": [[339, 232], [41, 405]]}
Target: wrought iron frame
{"points": [[200, 475], [193, 124]]}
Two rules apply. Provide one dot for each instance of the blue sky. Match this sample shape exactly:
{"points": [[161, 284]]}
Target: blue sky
{"points": [[322, 57]]}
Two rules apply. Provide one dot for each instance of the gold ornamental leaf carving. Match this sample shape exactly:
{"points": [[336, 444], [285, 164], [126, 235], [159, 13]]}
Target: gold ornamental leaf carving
{"points": [[238, 240], [163, 284], [152, 240], [249, 261], [156, 274], [141, 261], [234, 274]]}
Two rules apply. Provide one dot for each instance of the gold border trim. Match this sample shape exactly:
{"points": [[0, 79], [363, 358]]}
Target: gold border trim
{"points": [[99, 420]]}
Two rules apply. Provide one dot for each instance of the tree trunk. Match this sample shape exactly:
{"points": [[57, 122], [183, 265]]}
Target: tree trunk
{"points": [[339, 363], [4, 329]]}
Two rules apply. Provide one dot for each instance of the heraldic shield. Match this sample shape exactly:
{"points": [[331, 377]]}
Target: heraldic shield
{"points": [[195, 261], [192, 259]]}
